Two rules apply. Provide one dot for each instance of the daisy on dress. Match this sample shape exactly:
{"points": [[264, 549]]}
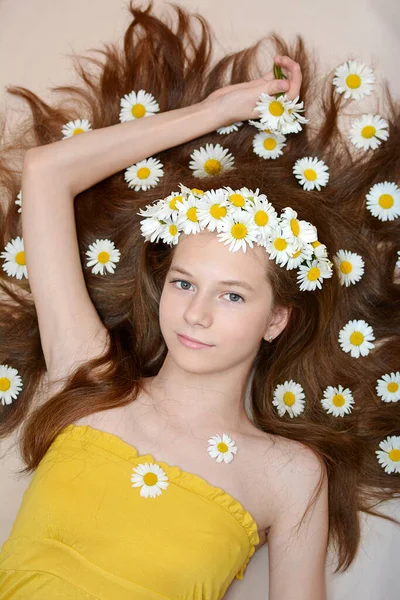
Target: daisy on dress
{"points": [[151, 479]]}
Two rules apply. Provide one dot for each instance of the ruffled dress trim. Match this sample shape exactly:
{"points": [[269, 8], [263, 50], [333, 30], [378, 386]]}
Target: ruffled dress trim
{"points": [[189, 481]]}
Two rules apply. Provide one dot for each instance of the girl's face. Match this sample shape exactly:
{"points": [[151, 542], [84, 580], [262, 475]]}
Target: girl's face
{"points": [[220, 298]]}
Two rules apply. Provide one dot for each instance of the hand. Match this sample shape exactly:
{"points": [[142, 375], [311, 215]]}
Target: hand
{"points": [[236, 102]]}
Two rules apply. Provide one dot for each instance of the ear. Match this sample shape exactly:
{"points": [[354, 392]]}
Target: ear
{"points": [[278, 321]]}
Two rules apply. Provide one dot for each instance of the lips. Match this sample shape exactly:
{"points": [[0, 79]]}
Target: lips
{"points": [[193, 340]]}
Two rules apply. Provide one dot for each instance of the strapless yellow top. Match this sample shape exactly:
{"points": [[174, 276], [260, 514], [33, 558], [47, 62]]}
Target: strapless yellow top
{"points": [[84, 531]]}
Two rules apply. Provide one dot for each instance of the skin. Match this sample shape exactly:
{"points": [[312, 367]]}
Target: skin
{"points": [[207, 386]]}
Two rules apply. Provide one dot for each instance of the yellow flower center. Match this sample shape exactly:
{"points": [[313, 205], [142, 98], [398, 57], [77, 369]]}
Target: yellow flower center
{"points": [[295, 227], [20, 258], [150, 478], [346, 267], [222, 447], [192, 214], [239, 231], [289, 398], [394, 455], [138, 111], [78, 130], [237, 200], [103, 257], [315, 244], [310, 174], [261, 218], [368, 131], [353, 81], [218, 211], [212, 166], [5, 384], [296, 254], [386, 201], [356, 338], [266, 130], [338, 400], [276, 108], [392, 387], [173, 230], [280, 244], [269, 143], [143, 173], [313, 274], [197, 191], [173, 201]]}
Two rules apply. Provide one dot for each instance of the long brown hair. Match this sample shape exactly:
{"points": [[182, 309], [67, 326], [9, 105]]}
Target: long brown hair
{"points": [[174, 63]]}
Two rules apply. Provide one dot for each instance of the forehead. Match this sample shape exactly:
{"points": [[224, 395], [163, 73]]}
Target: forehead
{"points": [[204, 254]]}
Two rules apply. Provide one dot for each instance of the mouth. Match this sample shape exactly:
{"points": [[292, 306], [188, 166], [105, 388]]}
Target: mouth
{"points": [[192, 342]]}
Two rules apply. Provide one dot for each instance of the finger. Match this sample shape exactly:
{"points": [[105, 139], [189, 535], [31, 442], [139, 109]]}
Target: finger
{"points": [[277, 86], [293, 73]]}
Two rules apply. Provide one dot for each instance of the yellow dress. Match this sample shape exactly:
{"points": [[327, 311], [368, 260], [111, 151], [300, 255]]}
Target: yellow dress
{"points": [[84, 532]]}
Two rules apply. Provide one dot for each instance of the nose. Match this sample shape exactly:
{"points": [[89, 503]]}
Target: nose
{"points": [[198, 311]]}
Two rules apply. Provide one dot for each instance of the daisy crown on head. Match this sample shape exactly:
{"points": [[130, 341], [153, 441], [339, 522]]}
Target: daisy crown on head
{"points": [[239, 218]]}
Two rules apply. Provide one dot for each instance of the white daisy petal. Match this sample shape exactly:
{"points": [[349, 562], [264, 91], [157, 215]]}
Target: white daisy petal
{"points": [[144, 175], [75, 127], [137, 105], [296, 230], [19, 201], [311, 172], [388, 387], [389, 455], [238, 230], [14, 255], [269, 145], [188, 220], [151, 478], [279, 247], [311, 275], [337, 401], [354, 80], [349, 266], [212, 208], [356, 337], [279, 114], [289, 398], [368, 132], [211, 160], [230, 128], [222, 448], [263, 215], [10, 384], [383, 201], [103, 255]]}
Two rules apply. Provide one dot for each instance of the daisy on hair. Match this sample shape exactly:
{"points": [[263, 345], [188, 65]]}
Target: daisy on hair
{"points": [[211, 160], [383, 201], [354, 80], [75, 128], [230, 128], [368, 132], [144, 175], [349, 267], [311, 275], [14, 255], [388, 387], [337, 401], [137, 105], [389, 455], [269, 145], [211, 209], [289, 398], [10, 384], [356, 337], [102, 254], [238, 230], [311, 172]]}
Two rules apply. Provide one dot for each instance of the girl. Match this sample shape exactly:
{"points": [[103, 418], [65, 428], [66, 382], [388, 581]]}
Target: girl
{"points": [[205, 398]]}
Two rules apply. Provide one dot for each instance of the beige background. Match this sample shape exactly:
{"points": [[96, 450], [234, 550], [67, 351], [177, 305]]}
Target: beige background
{"points": [[36, 37]]}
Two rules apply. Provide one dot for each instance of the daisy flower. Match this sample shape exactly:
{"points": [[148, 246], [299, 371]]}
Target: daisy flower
{"points": [[19, 201], [170, 232], [356, 337], [75, 127], [354, 79], [263, 215], [389, 456], [14, 255], [211, 160], [368, 131], [152, 228], [237, 198], [303, 254], [229, 128], [221, 448], [137, 105], [188, 219], [337, 401], [269, 145], [349, 266], [311, 275], [279, 248], [103, 255], [311, 172], [383, 201], [211, 208], [280, 114], [300, 232], [294, 110], [320, 250], [151, 479], [145, 174], [10, 384], [238, 230], [388, 387], [289, 398], [169, 207]]}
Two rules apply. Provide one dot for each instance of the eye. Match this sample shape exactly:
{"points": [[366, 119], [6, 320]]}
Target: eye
{"points": [[237, 296], [181, 281]]}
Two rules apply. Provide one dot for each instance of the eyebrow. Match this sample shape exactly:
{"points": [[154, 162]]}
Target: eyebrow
{"points": [[235, 282]]}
